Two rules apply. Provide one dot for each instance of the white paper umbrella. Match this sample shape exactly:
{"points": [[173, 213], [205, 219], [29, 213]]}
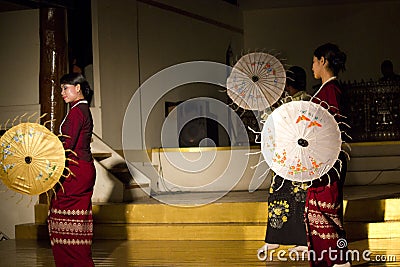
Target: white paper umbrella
{"points": [[257, 81], [301, 141]]}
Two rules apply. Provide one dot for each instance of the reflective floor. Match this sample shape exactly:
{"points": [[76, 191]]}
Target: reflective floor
{"points": [[191, 253], [121, 253]]}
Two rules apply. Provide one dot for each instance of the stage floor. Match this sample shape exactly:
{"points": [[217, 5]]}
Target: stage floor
{"points": [[186, 253]]}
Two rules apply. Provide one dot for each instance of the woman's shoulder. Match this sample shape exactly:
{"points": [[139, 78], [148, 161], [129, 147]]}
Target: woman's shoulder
{"points": [[81, 110], [332, 84], [330, 88]]}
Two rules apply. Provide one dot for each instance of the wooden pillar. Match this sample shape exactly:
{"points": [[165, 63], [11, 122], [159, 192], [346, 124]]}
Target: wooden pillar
{"points": [[53, 64]]}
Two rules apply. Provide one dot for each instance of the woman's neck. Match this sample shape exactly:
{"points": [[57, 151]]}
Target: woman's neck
{"points": [[78, 99], [326, 76]]}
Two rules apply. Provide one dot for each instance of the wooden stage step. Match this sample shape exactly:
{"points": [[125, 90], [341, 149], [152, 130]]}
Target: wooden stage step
{"points": [[368, 212], [216, 221]]}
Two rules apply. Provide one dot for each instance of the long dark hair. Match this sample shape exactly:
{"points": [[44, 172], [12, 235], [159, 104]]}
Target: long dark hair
{"points": [[75, 79], [336, 58]]}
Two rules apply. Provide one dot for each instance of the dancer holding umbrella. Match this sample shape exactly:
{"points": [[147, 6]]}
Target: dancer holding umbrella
{"points": [[324, 203], [70, 216], [301, 142]]}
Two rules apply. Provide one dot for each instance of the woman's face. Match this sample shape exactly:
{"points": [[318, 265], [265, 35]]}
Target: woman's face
{"points": [[317, 67], [70, 93]]}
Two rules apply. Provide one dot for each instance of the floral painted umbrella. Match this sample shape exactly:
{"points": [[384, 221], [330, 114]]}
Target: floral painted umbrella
{"points": [[32, 159], [257, 81], [301, 141]]}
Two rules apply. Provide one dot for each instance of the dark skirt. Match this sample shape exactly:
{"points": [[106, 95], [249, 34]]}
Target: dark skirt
{"points": [[70, 219], [286, 213]]}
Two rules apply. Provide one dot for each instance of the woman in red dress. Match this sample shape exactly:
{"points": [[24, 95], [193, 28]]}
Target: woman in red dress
{"points": [[324, 203], [70, 215]]}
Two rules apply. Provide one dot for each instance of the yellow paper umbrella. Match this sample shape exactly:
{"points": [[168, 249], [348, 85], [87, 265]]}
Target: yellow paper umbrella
{"points": [[32, 158]]}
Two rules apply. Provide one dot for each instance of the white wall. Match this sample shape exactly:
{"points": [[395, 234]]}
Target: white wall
{"points": [[367, 32], [210, 169], [168, 38], [15, 209], [19, 93], [115, 62], [136, 40], [19, 57]]}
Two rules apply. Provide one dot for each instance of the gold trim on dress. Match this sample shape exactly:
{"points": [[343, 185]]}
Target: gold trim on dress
{"points": [[70, 241], [325, 236], [324, 204], [71, 212]]}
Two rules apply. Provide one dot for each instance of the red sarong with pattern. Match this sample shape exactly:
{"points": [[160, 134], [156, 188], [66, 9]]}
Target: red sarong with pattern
{"points": [[324, 219], [70, 218]]}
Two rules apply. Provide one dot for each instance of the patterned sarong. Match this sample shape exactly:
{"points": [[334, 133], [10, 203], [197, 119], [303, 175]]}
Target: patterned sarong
{"points": [[324, 219], [70, 217]]}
